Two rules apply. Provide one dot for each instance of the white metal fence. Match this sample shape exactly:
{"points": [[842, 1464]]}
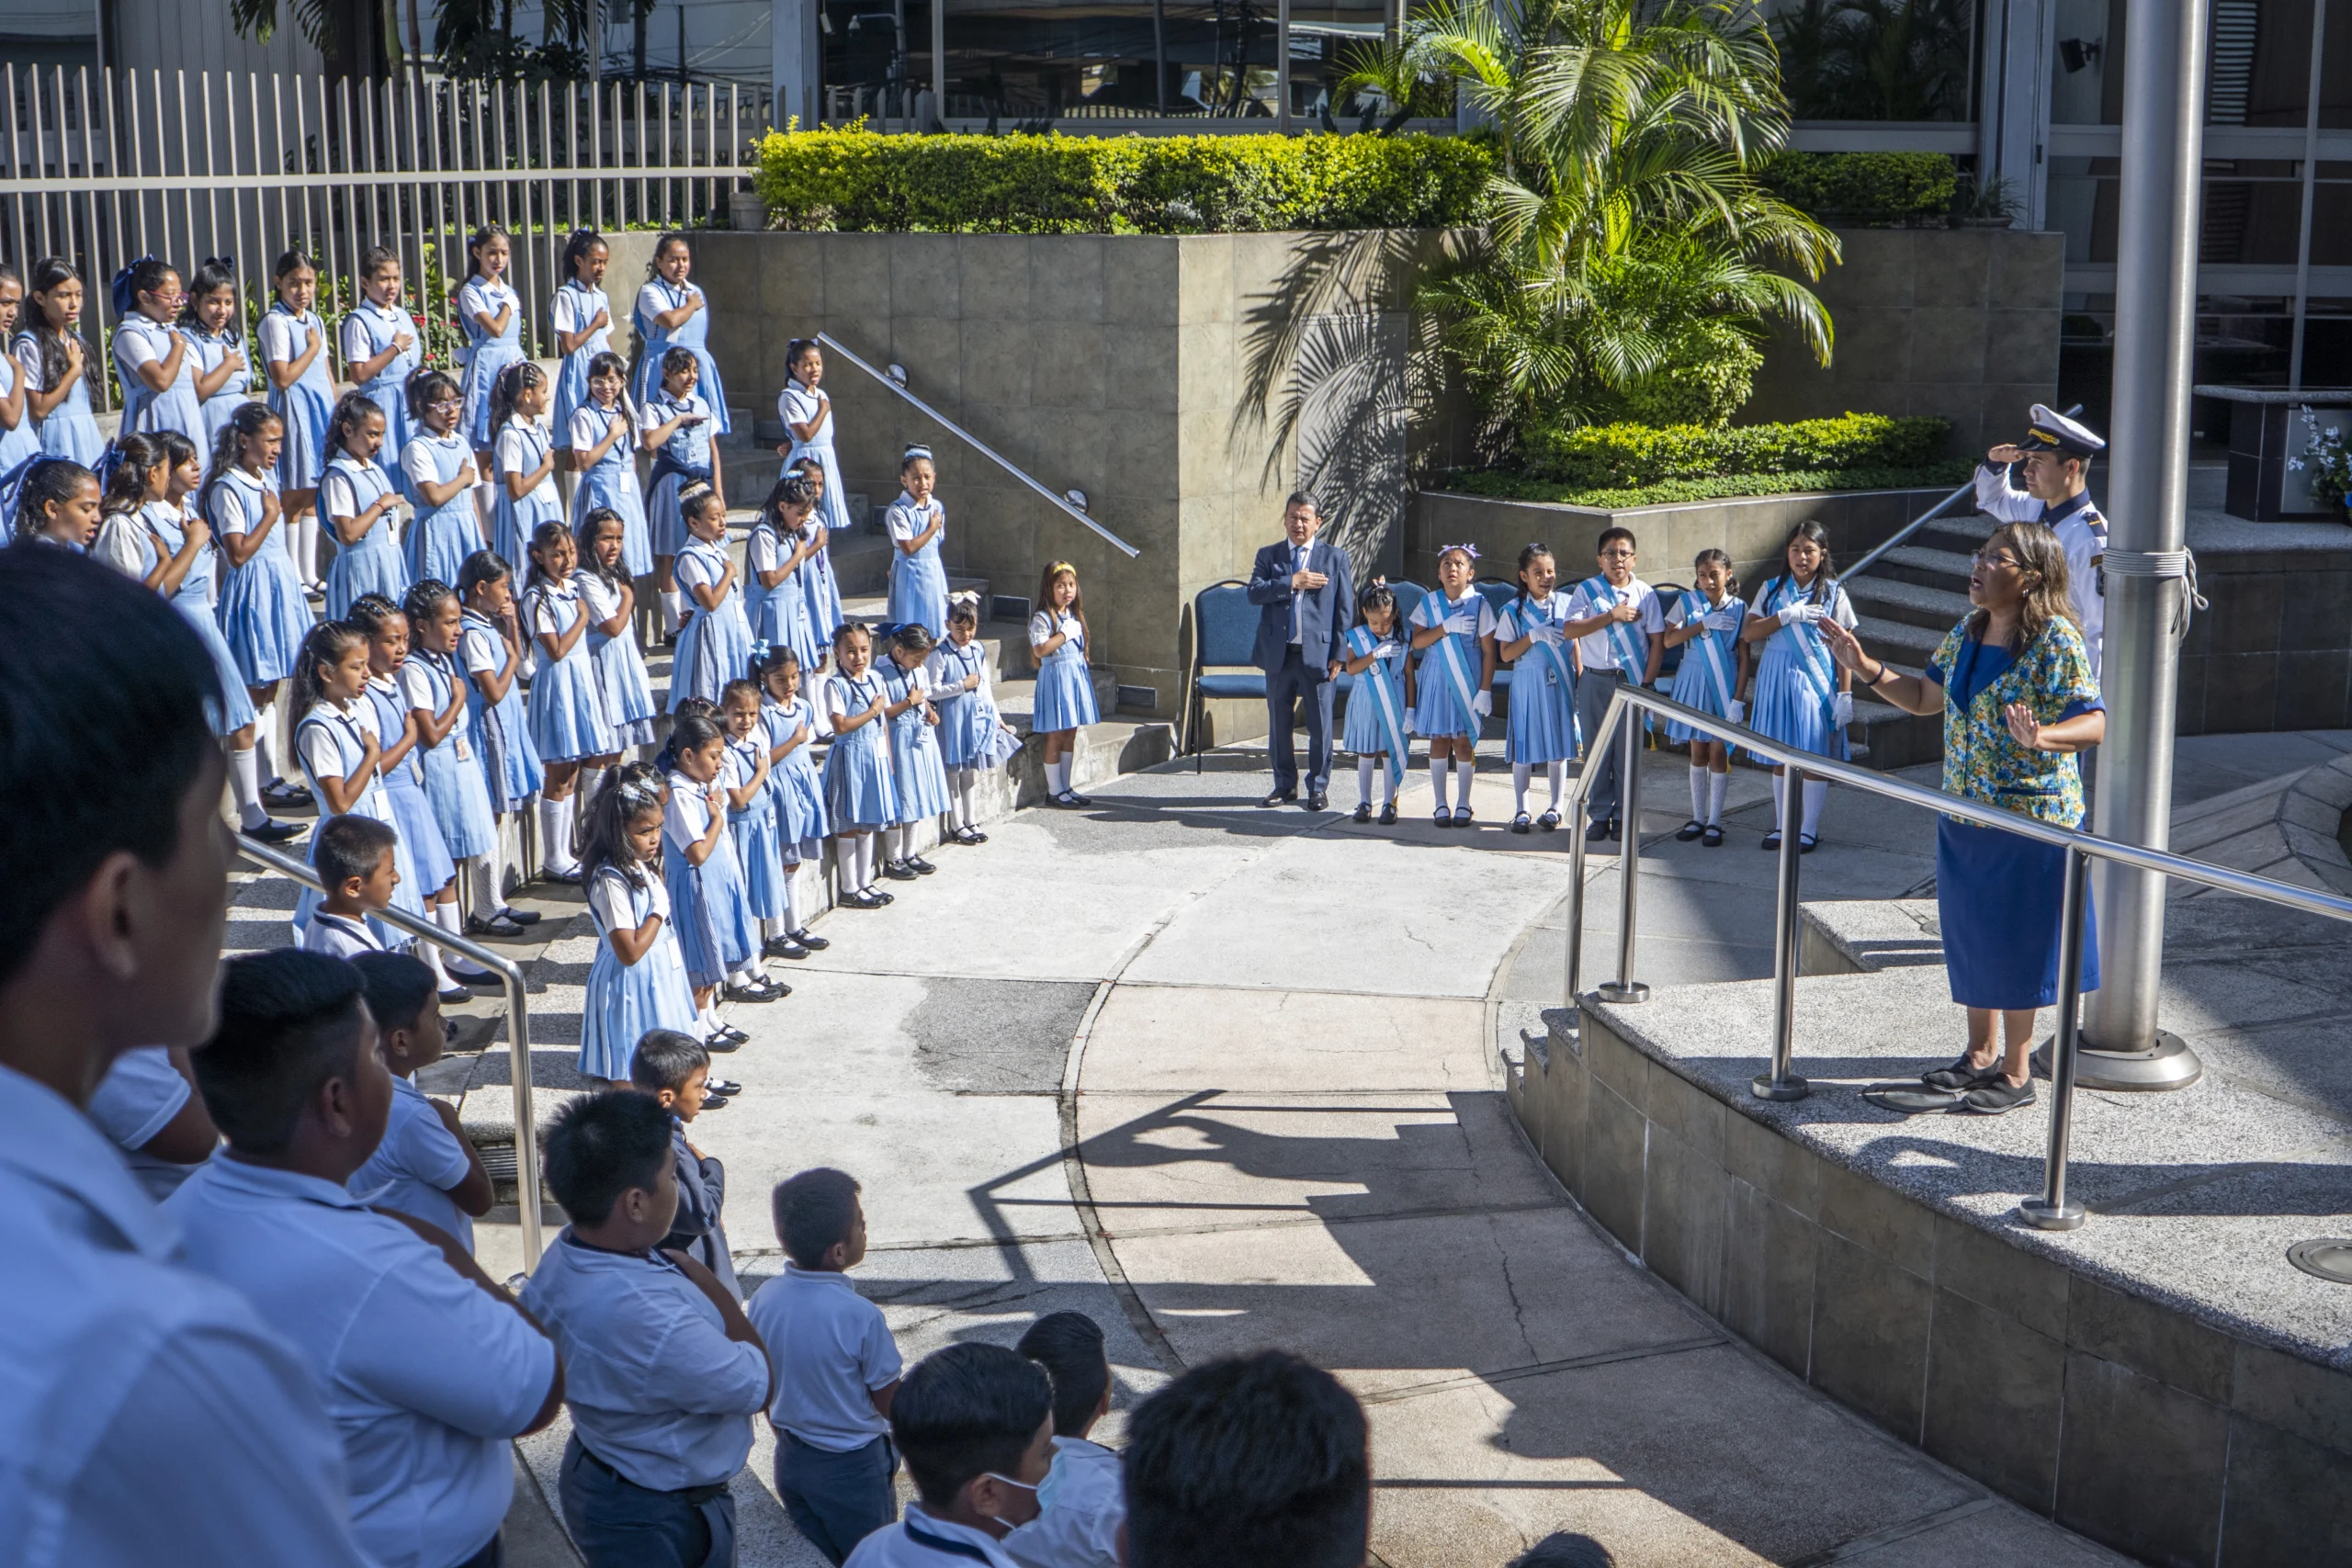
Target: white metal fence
{"points": [[102, 166]]}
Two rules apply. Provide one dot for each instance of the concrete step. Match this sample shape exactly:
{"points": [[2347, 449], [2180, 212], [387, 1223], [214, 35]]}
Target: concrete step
{"points": [[1936, 607], [1886, 737], [1905, 646], [1927, 568], [861, 564], [1962, 533]]}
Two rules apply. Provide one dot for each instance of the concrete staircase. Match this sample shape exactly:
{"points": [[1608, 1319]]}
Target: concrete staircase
{"points": [[1905, 605]]}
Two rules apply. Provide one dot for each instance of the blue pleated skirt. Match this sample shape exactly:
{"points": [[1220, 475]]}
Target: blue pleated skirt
{"points": [[822, 595], [1362, 732], [264, 617], [440, 541], [566, 709], [624, 1000], [1789, 710], [972, 734], [2000, 900], [571, 386], [503, 741], [459, 794], [420, 829], [236, 709], [918, 590], [1065, 695], [916, 772], [802, 825], [1695, 687], [71, 431], [1543, 722], [603, 487], [714, 648], [709, 912], [665, 527], [371, 565], [629, 707], [301, 458], [860, 790], [1437, 708], [757, 851], [488, 357]]}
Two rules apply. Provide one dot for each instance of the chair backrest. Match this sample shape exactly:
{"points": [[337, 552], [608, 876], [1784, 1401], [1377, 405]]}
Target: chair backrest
{"points": [[1225, 624], [1496, 593], [1409, 596], [1667, 592]]}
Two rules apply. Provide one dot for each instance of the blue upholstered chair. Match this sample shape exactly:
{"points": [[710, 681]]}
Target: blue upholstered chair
{"points": [[1225, 636]]}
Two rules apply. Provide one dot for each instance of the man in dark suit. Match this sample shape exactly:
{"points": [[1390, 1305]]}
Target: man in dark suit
{"points": [[1305, 594]]}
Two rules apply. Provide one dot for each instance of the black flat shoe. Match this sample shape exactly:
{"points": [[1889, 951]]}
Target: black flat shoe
{"points": [[810, 939], [760, 990], [723, 1086], [1961, 1076], [283, 796], [455, 995], [783, 947], [1522, 823], [1690, 830], [876, 894], [726, 1040], [861, 900], [1548, 822], [714, 1101], [1071, 797], [521, 917], [274, 831], [1997, 1097], [1596, 833], [1363, 813], [1389, 815], [1807, 843], [898, 871], [569, 878], [1713, 837], [497, 925], [920, 866], [1772, 839]]}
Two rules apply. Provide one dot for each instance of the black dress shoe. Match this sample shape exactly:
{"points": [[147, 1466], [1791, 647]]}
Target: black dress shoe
{"points": [[783, 947], [1319, 802], [898, 870], [273, 832], [714, 1101], [920, 866], [1281, 798], [810, 939], [1363, 811], [1389, 815], [722, 1086], [1960, 1076]]}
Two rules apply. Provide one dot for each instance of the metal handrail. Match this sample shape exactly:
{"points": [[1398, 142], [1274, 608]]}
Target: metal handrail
{"points": [[2052, 1210], [518, 1034], [1938, 510], [982, 447]]}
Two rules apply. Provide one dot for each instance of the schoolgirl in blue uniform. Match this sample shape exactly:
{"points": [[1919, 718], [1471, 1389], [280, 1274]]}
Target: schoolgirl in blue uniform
{"points": [[569, 729], [807, 415], [153, 360], [491, 317], [526, 496], [602, 433], [861, 788], [610, 598], [59, 503], [1377, 708], [301, 389], [362, 507], [752, 808], [490, 645], [441, 697], [54, 363], [1802, 697], [672, 312], [262, 615], [1454, 629], [342, 755], [776, 550], [442, 473], [1542, 727], [791, 722], [716, 642], [813, 579], [918, 525], [1704, 622], [213, 321], [1058, 637], [917, 775], [637, 980], [675, 424], [379, 349], [972, 733], [582, 319], [20, 440], [706, 881]]}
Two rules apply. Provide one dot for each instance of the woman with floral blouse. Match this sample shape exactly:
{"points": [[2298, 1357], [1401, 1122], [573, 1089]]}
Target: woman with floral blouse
{"points": [[2015, 684]]}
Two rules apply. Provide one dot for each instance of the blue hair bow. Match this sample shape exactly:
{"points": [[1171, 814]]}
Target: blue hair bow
{"points": [[760, 652], [124, 298]]}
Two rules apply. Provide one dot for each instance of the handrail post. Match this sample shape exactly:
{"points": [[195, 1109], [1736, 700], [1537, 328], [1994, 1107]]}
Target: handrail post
{"points": [[1781, 1084], [2052, 1210], [1624, 990], [1575, 889]]}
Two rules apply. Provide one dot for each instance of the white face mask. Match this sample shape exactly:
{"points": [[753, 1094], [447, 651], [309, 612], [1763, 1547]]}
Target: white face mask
{"points": [[1038, 1491]]}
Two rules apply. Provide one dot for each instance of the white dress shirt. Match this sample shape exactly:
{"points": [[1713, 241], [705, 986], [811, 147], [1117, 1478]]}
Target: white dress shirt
{"points": [[1596, 648], [1080, 1527], [831, 1350]]}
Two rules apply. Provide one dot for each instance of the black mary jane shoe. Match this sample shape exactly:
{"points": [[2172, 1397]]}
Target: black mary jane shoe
{"points": [[1549, 822], [1713, 837], [497, 925], [273, 831], [1362, 812], [1959, 1077], [1807, 843], [713, 1100], [521, 917], [1071, 797], [876, 893], [1522, 823], [1772, 839], [861, 900], [1690, 830], [455, 996], [283, 796], [761, 989], [898, 870], [1997, 1097], [724, 1041], [810, 939], [920, 866], [1389, 815], [783, 947], [722, 1086]]}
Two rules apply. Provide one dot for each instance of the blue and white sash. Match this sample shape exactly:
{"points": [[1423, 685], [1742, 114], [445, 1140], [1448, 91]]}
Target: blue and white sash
{"points": [[1695, 608], [1554, 653], [1386, 699], [1810, 654], [1630, 646], [1448, 652]]}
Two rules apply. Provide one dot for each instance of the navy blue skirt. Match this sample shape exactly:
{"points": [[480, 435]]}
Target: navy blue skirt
{"points": [[2001, 898]]}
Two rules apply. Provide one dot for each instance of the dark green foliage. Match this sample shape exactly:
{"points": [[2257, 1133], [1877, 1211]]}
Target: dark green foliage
{"points": [[1908, 189], [1607, 456]]}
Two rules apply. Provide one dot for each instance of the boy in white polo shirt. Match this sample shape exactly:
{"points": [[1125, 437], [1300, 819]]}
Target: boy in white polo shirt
{"points": [[354, 856], [665, 1373], [1081, 1504], [836, 1367], [425, 1167], [427, 1368], [1618, 623], [976, 1423]]}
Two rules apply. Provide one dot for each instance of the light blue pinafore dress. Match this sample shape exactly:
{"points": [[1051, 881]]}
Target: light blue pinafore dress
{"points": [[972, 733], [1376, 713], [388, 386], [441, 537], [1065, 699], [454, 780], [515, 520], [576, 304], [72, 429], [625, 1000], [708, 910], [1542, 724], [144, 409], [611, 481], [716, 645], [754, 828], [193, 599], [374, 564], [693, 334], [502, 730], [1709, 668], [801, 823], [403, 785], [569, 722], [916, 772], [861, 790], [305, 406], [917, 581], [486, 357], [262, 614], [629, 706]]}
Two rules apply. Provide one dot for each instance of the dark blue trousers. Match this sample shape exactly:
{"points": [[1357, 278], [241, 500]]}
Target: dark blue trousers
{"points": [[1286, 689], [836, 1499], [618, 1524]]}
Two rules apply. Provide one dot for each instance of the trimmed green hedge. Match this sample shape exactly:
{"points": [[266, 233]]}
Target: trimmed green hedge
{"points": [[1520, 487], [855, 179], [1618, 456], [1909, 189]]}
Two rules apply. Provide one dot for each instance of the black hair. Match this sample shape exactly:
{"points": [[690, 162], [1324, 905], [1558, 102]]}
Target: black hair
{"points": [[626, 794], [585, 540], [78, 639], [178, 448], [1300, 498], [1611, 535], [1375, 596], [475, 241], [677, 359], [374, 258], [480, 568], [350, 845], [371, 612], [690, 731], [694, 499], [960, 609], [600, 1146], [1712, 556], [1254, 1460], [136, 455], [325, 643], [779, 656], [48, 481], [812, 1210], [582, 241], [668, 237], [666, 1058], [1529, 553], [1825, 580], [852, 625], [351, 410], [792, 352], [49, 272], [914, 637], [792, 488], [288, 262], [1565, 1549], [742, 686], [605, 362], [542, 537], [289, 1023], [213, 275], [966, 1410], [1068, 1345], [246, 423], [143, 276], [913, 454], [423, 600], [397, 987], [511, 384], [426, 387]]}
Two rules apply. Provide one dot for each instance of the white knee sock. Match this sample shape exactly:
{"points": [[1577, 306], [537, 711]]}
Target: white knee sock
{"points": [[482, 886], [1698, 793], [869, 852], [1387, 784], [1440, 769], [430, 957], [266, 742], [1463, 768], [1815, 792], [555, 834], [1057, 777], [584, 794], [1365, 766], [844, 867], [1716, 785], [1520, 774], [1779, 802], [495, 859], [306, 546], [1555, 779], [673, 612], [446, 917], [966, 781], [245, 782], [791, 899]]}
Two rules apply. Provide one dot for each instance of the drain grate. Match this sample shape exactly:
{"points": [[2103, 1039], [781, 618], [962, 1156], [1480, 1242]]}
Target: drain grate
{"points": [[2325, 1257]]}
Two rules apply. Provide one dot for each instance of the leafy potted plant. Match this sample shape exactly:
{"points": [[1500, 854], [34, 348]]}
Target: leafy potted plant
{"points": [[2327, 460]]}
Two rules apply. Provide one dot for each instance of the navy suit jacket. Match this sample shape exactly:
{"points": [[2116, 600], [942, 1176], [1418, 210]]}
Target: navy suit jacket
{"points": [[1325, 613]]}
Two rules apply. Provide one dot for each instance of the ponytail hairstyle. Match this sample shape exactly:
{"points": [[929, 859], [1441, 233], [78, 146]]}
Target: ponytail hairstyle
{"points": [[1378, 595], [422, 604], [964, 607], [792, 355], [245, 424], [482, 567], [288, 264], [48, 481], [582, 241], [585, 541], [1712, 556], [913, 454], [350, 411], [426, 387], [694, 499], [629, 795], [1529, 553], [742, 686], [51, 273], [474, 243], [694, 729], [2042, 559], [776, 656], [178, 448], [662, 247], [143, 276], [135, 456], [1054, 571], [215, 273], [375, 259], [511, 383], [1825, 581], [792, 490], [913, 637], [372, 611], [328, 642], [543, 538], [842, 633]]}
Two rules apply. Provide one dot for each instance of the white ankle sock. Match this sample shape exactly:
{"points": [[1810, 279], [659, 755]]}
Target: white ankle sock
{"points": [[1716, 785], [1816, 790], [1555, 779], [1440, 769], [1698, 794], [1365, 766], [245, 782], [1779, 802]]}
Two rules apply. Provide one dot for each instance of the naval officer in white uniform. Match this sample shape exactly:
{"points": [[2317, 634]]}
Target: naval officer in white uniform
{"points": [[2056, 456]]}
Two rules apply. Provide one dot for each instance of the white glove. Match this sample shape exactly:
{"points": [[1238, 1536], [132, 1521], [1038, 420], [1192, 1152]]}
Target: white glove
{"points": [[1722, 621], [1547, 633], [1738, 711], [1803, 612], [1075, 632], [1843, 709], [1462, 624], [1483, 704], [1389, 649]]}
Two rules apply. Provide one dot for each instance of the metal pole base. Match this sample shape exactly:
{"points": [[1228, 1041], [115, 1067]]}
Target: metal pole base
{"points": [[2042, 1216], [1764, 1086], [2168, 1065], [1619, 995]]}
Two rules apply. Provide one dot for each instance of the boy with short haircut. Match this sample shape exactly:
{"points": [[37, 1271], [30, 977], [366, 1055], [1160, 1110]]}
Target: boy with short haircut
{"points": [[837, 1369], [428, 1369], [425, 1167], [976, 1423], [1619, 625], [1082, 1528], [664, 1372], [354, 860], [674, 1068]]}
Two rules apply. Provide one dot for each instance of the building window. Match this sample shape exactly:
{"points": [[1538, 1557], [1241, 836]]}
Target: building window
{"points": [[1877, 60]]}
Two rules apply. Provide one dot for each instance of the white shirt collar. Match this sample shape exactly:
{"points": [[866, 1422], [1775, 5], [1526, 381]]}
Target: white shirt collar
{"points": [[920, 1517], [46, 1140]]}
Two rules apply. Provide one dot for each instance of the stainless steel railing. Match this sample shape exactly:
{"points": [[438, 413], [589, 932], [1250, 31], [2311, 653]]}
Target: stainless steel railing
{"points": [[2052, 1210], [518, 1034], [982, 447]]}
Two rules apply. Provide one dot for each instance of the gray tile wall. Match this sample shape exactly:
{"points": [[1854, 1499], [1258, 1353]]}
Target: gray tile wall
{"points": [[2274, 648]]}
